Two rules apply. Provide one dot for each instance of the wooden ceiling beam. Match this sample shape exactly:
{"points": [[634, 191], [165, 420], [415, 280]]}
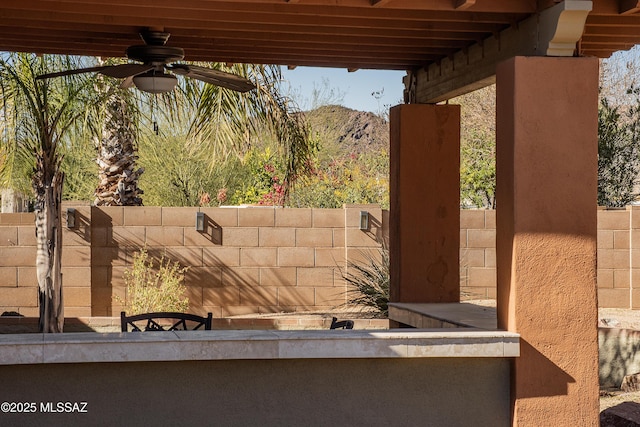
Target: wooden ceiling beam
{"points": [[448, 31], [187, 41], [497, 6], [434, 39], [629, 6], [343, 57], [300, 24], [298, 48], [322, 62], [233, 55], [282, 56], [606, 52], [386, 45], [613, 21], [463, 4], [588, 39], [236, 57], [622, 31], [606, 7], [197, 8], [474, 67], [379, 3], [182, 37], [274, 38]]}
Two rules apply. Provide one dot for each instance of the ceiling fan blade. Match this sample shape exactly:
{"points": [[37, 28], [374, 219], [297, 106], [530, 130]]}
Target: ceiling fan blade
{"points": [[70, 72], [216, 77], [119, 71], [127, 83], [125, 70]]}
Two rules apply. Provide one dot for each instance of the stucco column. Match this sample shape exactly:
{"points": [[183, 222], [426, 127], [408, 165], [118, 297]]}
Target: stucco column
{"points": [[546, 235], [424, 234]]}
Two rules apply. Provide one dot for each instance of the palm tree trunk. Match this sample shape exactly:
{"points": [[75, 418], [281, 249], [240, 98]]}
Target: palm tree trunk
{"points": [[117, 156], [47, 183]]}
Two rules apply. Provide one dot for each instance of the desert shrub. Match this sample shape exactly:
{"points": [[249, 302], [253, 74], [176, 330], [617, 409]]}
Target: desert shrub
{"points": [[618, 153], [354, 178], [152, 288], [369, 281]]}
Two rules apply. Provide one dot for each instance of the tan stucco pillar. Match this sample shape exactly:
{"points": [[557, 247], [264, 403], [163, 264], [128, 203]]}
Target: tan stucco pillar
{"points": [[546, 235], [424, 234]]}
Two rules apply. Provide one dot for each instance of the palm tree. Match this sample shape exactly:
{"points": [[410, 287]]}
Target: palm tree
{"points": [[38, 116], [117, 151]]}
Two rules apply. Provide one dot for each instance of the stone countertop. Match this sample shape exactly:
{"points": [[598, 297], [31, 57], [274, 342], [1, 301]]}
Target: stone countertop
{"points": [[88, 347], [444, 315]]}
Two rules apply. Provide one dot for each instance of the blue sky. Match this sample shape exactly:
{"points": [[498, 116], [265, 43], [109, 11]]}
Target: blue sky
{"points": [[353, 90]]}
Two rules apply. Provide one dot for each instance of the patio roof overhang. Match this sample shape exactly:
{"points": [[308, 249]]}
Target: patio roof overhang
{"points": [[352, 34]]}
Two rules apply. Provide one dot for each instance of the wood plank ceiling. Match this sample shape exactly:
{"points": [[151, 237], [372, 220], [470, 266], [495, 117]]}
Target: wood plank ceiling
{"points": [[353, 34]]}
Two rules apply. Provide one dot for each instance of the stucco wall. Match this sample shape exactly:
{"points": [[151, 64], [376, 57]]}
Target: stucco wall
{"points": [[311, 392]]}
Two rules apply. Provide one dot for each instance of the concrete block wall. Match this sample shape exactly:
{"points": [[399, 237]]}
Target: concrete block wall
{"points": [[264, 259], [76, 262], [617, 258], [477, 254], [248, 260], [18, 283]]}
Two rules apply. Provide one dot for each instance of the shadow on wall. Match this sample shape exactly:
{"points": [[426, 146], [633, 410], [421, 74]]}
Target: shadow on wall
{"points": [[103, 254], [212, 230], [555, 379], [240, 261], [378, 233], [619, 355], [77, 223], [12, 324]]}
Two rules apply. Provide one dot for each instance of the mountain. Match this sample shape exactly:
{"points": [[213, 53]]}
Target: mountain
{"points": [[351, 131]]}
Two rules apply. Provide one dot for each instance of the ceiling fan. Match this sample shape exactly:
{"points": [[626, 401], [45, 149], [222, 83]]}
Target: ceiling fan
{"points": [[155, 58]]}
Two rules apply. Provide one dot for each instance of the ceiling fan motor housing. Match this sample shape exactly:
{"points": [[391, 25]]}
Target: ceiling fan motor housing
{"points": [[155, 54], [155, 38]]}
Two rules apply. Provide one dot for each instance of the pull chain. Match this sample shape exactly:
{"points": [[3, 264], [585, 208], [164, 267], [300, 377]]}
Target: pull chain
{"points": [[156, 128]]}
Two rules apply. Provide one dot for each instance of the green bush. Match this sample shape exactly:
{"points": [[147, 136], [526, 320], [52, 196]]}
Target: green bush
{"points": [[151, 288], [618, 153], [354, 178]]}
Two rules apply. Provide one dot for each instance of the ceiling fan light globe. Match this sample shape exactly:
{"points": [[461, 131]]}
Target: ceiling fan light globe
{"points": [[155, 83]]}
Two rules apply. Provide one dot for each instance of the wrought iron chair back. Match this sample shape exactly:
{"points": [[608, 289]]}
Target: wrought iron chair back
{"points": [[172, 322], [342, 324]]}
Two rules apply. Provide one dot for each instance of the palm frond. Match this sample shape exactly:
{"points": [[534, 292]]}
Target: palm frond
{"points": [[227, 121], [38, 114]]}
